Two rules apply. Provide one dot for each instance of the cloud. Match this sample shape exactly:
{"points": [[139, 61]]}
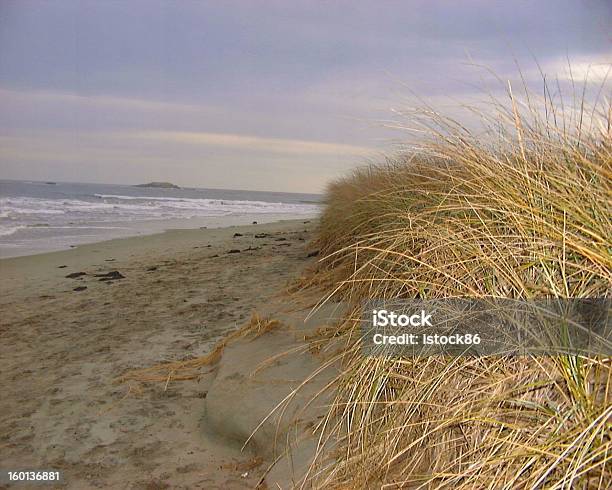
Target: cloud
{"points": [[260, 94], [186, 158], [252, 143], [592, 69], [37, 97]]}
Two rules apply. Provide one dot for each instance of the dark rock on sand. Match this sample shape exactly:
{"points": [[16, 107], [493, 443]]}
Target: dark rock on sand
{"points": [[251, 248], [62, 266], [237, 234], [151, 269], [281, 240], [110, 276], [80, 288], [254, 222], [74, 275], [261, 235], [314, 253], [233, 251]]}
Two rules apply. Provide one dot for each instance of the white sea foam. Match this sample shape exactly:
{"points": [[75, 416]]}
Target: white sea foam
{"points": [[19, 212], [9, 230], [35, 217], [151, 207], [227, 204]]}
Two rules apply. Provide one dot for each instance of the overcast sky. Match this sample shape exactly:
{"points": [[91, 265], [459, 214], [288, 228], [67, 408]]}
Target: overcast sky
{"points": [[266, 95]]}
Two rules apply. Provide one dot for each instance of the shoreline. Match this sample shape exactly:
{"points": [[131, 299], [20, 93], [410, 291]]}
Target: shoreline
{"points": [[16, 271], [151, 227], [75, 320]]}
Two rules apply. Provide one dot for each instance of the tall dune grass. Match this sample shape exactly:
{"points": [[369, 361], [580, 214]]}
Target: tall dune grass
{"points": [[522, 210]]}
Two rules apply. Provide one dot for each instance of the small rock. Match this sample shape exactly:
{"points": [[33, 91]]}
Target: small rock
{"points": [[281, 240], [80, 288], [110, 276], [261, 235], [233, 251], [254, 222], [314, 253], [62, 266], [237, 234], [213, 256], [151, 269], [74, 275]]}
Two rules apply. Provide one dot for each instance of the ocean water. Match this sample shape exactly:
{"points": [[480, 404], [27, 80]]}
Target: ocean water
{"points": [[38, 217]]}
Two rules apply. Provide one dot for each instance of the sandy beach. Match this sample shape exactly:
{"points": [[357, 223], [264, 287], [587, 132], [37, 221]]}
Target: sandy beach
{"points": [[304, 246], [75, 320]]}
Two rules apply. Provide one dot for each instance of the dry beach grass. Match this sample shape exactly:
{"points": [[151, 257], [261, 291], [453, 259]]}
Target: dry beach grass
{"points": [[522, 212]]}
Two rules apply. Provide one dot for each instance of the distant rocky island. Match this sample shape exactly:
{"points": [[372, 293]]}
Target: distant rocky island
{"points": [[159, 185]]}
